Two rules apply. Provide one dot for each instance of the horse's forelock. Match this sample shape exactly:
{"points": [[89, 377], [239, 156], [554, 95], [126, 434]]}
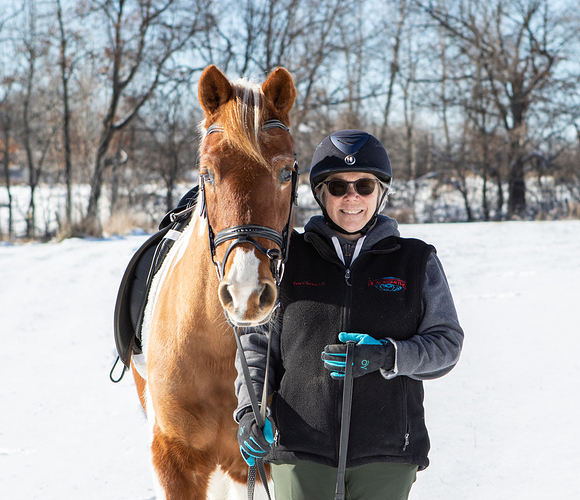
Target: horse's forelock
{"points": [[241, 118]]}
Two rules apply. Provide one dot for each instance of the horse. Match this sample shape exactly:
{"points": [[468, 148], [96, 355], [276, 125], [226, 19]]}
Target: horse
{"points": [[228, 259]]}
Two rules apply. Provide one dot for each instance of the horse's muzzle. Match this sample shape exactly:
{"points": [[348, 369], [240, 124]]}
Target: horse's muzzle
{"points": [[248, 307]]}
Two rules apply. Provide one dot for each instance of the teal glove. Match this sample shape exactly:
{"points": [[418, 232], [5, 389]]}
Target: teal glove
{"points": [[370, 355], [254, 442]]}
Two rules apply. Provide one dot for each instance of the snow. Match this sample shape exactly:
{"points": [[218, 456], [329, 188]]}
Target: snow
{"points": [[503, 423]]}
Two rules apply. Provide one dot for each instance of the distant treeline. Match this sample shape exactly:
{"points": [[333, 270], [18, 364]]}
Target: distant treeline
{"points": [[479, 98]]}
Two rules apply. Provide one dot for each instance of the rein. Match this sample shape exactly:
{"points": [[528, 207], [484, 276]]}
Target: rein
{"points": [[247, 233]]}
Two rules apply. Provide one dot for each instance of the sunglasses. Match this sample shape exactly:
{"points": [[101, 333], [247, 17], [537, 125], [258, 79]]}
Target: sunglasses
{"points": [[338, 187]]}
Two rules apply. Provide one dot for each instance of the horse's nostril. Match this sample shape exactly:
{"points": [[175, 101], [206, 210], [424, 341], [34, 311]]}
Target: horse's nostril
{"points": [[268, 296], [225, 295]]}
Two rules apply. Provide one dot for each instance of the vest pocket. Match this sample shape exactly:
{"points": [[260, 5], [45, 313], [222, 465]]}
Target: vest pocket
{"points": [[379, 421]]}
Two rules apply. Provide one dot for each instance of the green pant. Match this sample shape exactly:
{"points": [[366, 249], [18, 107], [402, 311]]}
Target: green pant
{"points": [[303, 480]]}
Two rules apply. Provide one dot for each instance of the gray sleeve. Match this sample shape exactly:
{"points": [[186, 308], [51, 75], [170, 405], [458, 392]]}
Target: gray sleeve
{"points": [[435, 349], [255, 345]]}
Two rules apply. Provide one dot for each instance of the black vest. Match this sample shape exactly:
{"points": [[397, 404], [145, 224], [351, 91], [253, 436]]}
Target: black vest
{"points": [[381, 296]]}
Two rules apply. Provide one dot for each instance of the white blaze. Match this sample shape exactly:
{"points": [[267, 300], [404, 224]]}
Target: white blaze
{"points": [[243, 278]]}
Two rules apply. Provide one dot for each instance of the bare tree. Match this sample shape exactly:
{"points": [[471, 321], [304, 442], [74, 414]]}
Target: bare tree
{"points": [[171, 140], [402, 9], [67, 62], [270, 30], [317, 66], [519, 45], [6, 112], [7, 80], [143, 38], [39, 120]]}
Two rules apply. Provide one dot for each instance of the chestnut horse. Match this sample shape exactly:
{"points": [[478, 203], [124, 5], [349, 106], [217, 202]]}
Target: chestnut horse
{"points": [[240, 228]]}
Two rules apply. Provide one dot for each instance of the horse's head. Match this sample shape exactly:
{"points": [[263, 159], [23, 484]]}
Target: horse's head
{"points": [[248, 177]]}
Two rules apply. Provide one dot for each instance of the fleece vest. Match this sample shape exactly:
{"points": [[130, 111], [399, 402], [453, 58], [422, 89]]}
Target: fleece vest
{"points": [[380, 295]]}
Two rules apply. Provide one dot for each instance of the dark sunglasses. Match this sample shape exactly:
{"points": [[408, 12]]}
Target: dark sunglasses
{"points": [[338, 187]]}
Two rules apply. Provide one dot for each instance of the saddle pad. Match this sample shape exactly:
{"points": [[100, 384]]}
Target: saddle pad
{"points": [[131, 296]]}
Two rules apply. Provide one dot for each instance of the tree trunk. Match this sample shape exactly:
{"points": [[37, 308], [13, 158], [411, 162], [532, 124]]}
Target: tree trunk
{"points": [[394, 70], [114, 186], [484, 201], [517, 185], [31, 214], [500, 197], [169, 197], [26, 122], [517, 195], [468, 210], [7, 174], [91, 224], [66, 121]]}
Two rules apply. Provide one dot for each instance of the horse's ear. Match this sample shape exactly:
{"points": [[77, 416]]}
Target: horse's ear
{"points": [[279, 90], [214, 89]]}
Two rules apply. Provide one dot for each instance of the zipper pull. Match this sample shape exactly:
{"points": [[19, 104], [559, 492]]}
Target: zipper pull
{"points": [[347, 277], [406, 442]]}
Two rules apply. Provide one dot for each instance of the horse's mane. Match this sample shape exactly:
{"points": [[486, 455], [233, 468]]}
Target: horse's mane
{"points": [[241, 118]]}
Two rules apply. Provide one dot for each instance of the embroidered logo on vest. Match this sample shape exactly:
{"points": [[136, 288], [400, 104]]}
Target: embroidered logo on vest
{"points": [[389, 284], [306, 283]]}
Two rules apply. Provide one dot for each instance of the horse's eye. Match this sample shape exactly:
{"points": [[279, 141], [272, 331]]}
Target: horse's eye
{"points": [[285, 174], [207, 176]]}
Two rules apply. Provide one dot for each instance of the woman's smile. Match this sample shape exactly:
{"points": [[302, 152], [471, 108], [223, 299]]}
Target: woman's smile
{"points": [[351, 211]]}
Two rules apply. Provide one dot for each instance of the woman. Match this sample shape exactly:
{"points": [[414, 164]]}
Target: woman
{"points": [[351, 277]]}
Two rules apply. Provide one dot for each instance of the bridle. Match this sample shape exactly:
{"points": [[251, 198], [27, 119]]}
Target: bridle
{"points": [[247, 233]]}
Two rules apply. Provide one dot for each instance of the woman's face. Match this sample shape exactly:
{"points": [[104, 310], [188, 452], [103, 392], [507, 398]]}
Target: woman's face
{"points": [[352, 210]]}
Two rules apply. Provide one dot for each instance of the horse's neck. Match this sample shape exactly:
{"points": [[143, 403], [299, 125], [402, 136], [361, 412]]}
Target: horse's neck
{"points": [[189, 274], [192, 267]]}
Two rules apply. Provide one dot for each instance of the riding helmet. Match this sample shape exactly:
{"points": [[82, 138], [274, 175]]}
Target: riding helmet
{"points": [[350, 151]]}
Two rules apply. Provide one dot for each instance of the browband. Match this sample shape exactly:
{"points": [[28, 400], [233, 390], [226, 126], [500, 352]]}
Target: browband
{"points": [[267, 125]]}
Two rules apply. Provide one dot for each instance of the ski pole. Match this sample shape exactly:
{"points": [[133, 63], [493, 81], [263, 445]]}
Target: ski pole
{"points": [[345, 421]]}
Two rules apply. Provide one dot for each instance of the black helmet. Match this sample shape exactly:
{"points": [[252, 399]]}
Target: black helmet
{"points": [[350, 151]]}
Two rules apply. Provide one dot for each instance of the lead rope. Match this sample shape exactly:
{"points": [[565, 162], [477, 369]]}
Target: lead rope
{"points": [[263, 408], [259, 412]]}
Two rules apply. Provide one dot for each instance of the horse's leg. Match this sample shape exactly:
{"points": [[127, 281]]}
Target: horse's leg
{"points": [[182, 473]]}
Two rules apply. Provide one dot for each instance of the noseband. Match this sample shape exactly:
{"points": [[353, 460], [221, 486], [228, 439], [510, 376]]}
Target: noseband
{"points": [[247, 233]]}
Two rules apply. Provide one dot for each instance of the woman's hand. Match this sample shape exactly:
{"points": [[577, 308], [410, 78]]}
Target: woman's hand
{"points": [[254, 442], [370, 355]]}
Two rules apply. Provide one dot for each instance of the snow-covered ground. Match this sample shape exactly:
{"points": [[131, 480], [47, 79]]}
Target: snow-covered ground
{"points": [[503, 424]]}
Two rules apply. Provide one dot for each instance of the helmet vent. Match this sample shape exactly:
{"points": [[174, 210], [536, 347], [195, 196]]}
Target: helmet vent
{"points": [[349, 144]]}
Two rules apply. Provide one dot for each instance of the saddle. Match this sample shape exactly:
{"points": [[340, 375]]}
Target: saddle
{"points": [[137, 279]]}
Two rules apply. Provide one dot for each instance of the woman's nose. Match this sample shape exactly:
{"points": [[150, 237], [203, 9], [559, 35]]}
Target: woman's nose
{"points": [[350, 190]]}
